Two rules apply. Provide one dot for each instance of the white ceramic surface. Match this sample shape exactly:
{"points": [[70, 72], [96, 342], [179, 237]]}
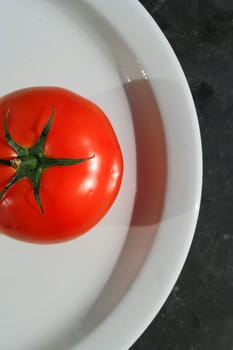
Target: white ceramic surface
{"points": [[102, 290]]}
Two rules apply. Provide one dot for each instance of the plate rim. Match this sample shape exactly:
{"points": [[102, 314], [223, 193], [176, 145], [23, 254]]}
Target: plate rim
{"points": [[98, 335]]}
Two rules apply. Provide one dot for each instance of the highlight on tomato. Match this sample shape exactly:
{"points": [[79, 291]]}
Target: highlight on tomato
{"points": [[61, 165]]}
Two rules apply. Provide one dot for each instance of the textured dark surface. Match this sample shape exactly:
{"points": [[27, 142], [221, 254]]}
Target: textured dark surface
{"points": [[199, 312]]}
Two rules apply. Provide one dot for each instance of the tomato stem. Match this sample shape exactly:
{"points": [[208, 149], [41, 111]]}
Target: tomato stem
{"points": [[31, 162]]}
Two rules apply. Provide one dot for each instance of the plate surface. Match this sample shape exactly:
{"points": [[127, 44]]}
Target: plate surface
{"points": [[102, 290]]}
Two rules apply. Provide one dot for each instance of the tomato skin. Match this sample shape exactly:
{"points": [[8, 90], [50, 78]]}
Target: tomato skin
{"points": [[74, 197]]}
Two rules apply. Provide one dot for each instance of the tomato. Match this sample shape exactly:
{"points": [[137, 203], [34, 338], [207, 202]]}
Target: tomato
{"points": [[61, 165]]}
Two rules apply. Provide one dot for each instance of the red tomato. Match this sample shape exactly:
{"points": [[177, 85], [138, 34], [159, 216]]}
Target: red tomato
{"points": [[60, 165]]}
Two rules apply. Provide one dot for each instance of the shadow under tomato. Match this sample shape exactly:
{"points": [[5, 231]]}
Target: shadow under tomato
{"points": [[149, 200]]}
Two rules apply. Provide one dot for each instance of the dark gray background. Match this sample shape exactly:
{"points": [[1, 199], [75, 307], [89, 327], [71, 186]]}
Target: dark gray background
{"points": [[199, 312]]}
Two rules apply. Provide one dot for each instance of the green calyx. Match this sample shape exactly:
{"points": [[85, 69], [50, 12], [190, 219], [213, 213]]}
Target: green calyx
{"points": [[30, 162]]}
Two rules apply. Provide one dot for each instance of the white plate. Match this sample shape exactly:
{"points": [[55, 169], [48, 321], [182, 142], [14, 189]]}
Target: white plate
{"points": [[102, 290]]}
